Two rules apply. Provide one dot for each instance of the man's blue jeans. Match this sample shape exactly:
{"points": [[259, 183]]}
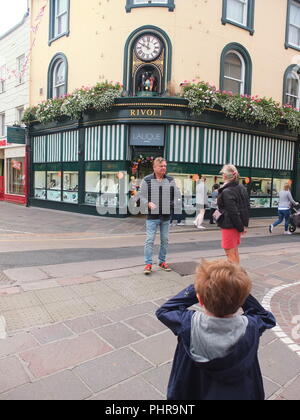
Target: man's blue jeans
{"points": [[151, 229], [283, 214]]}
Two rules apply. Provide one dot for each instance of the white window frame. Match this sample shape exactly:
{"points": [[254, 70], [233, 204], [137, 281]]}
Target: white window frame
{"points": [[19, 114], [2, 78], [20, 68], [245, 4], [2, 124], [57, 16], [293, 25], [289, 95], [55, 86], [243, 71]]}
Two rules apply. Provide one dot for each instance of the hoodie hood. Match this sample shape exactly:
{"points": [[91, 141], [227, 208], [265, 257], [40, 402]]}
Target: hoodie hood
{"points": [[224, 347]]}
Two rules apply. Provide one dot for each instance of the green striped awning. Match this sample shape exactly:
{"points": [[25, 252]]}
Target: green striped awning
{"points": [[215, 146], [183, 144], [39, 149], [105, 142], [54, 147], [70, 141]]}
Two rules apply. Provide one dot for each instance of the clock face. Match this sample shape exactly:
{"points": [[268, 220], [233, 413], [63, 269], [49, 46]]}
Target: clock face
{"points": [[148, 47]]}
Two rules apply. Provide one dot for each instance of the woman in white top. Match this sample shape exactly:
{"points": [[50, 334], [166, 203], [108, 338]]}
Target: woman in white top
{"points": [[284, 206], [201, 202]]}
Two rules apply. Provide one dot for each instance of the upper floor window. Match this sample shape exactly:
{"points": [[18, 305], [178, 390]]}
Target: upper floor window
{"points": [[2, 124], [239, 13], [291, 87], [57, 76], [59, 19], [236, 70], [130, 4], [19, 114], [293, 25], [20, 69], [2, 78]]}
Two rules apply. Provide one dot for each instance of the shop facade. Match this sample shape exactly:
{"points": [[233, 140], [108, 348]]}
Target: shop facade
{"points": [[75, 165]]}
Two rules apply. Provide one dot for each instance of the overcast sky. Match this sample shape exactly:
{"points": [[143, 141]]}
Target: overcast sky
{"points": [[11, 13]]}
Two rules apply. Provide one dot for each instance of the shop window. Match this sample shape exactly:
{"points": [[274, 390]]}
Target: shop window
{"points": [[239, 13], [293, 25], [92, 187], [278, 185], [109, 189], [16, 176], [70, 187], [236, 69], [260, 192], [291, 86], [148, 54], [58, 76], [40, 185], [54, 186], [59, 19], [130, 4]]}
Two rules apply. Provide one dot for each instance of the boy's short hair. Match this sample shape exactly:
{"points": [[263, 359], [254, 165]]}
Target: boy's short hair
{"points": [[222, 286]]}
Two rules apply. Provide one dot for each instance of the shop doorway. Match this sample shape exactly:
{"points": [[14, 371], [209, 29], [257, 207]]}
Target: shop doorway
{"points": [[142, 160]]}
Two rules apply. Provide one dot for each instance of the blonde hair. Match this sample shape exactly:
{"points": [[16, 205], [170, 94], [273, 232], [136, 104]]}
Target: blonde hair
{"points": [[159, 160], [230, 172], [222, 286], [287, 186]]}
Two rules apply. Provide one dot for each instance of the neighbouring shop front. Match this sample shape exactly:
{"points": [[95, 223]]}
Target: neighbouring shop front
{"points": [[74, 164], [12, 172]]}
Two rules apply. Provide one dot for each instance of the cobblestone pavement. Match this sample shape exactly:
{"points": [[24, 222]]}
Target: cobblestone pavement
{"points": [[88, 330]]}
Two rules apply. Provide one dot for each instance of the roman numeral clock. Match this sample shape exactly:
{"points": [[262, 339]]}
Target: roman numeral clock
{"points": [[148, 65]]}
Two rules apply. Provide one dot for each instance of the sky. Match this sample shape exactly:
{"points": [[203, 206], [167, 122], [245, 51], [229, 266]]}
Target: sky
{"points": [[11, 13]]}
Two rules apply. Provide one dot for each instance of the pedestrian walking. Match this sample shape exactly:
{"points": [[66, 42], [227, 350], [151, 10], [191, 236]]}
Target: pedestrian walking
{"points": [[214, 204], [216, 356], [233, 214], [201, 202], [180, 217], [159, 194], [284, 209]]}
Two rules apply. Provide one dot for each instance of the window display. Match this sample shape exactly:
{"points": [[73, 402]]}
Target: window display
{"points": [[92, 187], [40, 185], [54, 186], [16, 176], [70, 187]]}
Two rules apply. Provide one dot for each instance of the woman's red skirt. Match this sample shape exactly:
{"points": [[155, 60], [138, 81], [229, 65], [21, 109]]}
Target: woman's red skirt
{"points": [[231, 238]]}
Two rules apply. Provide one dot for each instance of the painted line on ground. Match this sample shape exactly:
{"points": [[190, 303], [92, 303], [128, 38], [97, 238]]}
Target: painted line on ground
{"points": [[266, 303]]}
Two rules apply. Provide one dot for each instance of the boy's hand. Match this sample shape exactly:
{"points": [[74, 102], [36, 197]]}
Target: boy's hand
{"points": [[152, 206]]}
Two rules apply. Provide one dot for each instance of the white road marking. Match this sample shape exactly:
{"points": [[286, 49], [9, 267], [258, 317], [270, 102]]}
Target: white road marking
{"points": [[266, 303]]}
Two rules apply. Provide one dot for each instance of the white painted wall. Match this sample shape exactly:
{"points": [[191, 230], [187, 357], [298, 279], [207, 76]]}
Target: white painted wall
{"points": [[13, 44]]}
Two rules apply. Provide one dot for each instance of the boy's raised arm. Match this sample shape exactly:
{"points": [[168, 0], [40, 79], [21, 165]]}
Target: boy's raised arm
{"points": [[264, 319], [173, 311]]}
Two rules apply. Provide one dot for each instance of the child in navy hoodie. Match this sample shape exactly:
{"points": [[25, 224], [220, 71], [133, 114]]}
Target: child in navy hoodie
{"points": [[216, 356]]}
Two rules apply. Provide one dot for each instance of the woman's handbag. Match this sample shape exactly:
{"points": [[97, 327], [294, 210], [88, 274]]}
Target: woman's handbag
{"points": [[217, 215]]}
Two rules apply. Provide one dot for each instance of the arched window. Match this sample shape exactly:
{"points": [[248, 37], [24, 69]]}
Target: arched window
{"points": [[147, 62], [291, 86], [58, 76], [234, 73], [236, 69]]}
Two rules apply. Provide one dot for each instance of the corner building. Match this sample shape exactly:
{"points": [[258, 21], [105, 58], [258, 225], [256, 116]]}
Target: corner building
{"points": [[152, 47]]}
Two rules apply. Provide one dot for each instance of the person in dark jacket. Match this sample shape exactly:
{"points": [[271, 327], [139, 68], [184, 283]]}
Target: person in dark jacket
{"points": [[233, 205], [216, 355]]}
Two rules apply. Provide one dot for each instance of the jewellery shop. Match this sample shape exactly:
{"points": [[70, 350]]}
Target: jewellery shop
{"points": [[76, 163]]}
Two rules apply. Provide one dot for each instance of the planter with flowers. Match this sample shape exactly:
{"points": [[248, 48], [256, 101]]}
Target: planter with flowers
{"points": [[100, 97], [252, 110], [145, 162]]}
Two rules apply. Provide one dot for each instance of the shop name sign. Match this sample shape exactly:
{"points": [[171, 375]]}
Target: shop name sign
{"points": [[16, 135], [147, 135], [146, 112]]}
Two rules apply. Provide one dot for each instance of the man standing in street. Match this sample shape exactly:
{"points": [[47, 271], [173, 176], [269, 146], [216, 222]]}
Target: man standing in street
{"points": [[159, 195]]}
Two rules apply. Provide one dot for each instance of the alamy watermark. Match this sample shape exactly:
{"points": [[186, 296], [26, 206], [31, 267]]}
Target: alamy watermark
{"points": [[124, 196]]}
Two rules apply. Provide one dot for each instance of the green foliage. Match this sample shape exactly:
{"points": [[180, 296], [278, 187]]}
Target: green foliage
{"points": [[251, 109]]}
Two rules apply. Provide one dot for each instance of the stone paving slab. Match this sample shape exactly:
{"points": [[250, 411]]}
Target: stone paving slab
{"points": [[64, 354], [157, 349], [119, 335], [59, 387], [12, 374], [18, 319], [111, 369]]}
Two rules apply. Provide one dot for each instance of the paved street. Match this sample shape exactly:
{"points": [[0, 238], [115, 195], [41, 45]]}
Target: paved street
{"points": [[80, 315]]}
